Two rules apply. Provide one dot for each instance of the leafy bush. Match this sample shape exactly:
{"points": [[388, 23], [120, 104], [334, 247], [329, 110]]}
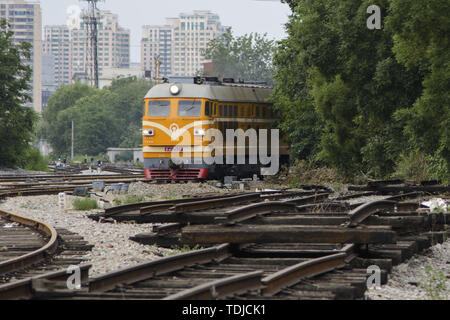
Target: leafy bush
{"points": [[439, 168], [124, 156], [34, 161], [304, 172], [419, 167], [85, 204]]}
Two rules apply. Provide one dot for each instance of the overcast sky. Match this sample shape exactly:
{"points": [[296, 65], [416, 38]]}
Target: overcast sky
{"points": [[244, 16]]}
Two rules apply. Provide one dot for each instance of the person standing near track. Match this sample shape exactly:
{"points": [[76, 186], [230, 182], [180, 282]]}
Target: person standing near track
{"points": [[99, 166]]}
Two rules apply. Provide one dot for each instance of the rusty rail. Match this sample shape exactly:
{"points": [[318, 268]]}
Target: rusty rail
{"points": [[33, 257], [221, 288], [148, 270], [253, 210], [205, 204], [23, 289], [365, 210], [293, 274]]}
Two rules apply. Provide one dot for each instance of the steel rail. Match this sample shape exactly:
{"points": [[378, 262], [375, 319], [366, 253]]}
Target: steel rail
{"points": [[23, 289], [404, 196], [253, 210], [221, 288], [37, 192], [309, 200], [33, 257], [289, 276], [71, 177], [207, 204], [168, 228], [365, 210], [150, 269], [357, 195], [334, 206], [149, 207], [165, 205], [286, 194]]}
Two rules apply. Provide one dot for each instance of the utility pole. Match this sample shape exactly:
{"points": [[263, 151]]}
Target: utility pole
{"points": [[73, 136], [90, 20], [157, 66]]}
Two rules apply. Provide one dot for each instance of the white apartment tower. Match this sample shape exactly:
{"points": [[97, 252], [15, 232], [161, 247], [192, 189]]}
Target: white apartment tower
{"points": [[25, 19], [180, 44], [70, 46], [156, 47], [113, 45], [57, 43]]}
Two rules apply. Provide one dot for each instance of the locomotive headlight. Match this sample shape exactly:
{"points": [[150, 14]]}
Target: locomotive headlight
{"points": [[199, 132], [175, 89], [148, 132]]}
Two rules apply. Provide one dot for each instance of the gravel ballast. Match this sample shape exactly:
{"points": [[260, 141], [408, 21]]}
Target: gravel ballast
{"points": [[113, 249]]}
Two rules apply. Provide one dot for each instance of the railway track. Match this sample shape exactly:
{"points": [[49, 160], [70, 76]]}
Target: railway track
{"points": [[13, 186], [31, 249], [218, 272], [271, 246], [70, 177]]}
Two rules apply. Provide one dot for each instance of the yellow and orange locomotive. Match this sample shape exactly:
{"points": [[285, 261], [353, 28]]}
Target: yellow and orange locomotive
{"points": [[179, 115]]}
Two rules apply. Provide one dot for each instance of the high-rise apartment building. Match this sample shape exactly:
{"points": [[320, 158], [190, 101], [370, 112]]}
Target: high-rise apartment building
{"points": [[180, 44], [25, 21], [57, 43], [71, 47], [156, 47], [113, 43]]}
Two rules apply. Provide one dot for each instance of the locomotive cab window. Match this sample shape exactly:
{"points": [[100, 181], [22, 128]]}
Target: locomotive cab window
{"points": [[207, 110], [189, 108], [158, 108]]}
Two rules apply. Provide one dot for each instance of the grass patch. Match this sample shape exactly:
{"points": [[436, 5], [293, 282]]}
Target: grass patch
{"points": [[412, 166], [185, 248], [434, 284], [85, 204], [306, 173], [172, 195], [129, 199]]}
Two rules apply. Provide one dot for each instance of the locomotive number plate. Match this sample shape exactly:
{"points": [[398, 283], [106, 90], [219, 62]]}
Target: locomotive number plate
{"points": [[173, 149]]}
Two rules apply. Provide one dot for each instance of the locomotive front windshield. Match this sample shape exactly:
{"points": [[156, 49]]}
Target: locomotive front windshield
{"points": [[159, 108], [189, 108]]}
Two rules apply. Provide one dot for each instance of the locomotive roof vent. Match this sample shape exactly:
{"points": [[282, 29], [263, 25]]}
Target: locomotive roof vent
{"points": [[211, 79], [228, 80]]}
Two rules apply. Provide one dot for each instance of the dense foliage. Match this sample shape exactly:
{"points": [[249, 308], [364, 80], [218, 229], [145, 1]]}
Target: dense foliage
{"points": [[247, 57], [16, 120], [358, 99], [105, 118]]}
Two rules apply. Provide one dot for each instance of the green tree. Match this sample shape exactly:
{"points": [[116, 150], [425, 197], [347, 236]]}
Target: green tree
{"points": [[248, 57], [347, 79], [129, 109], [291, 3], [104, 118], [96, 125], [56, 128], [421, 42], [16, 120]]}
